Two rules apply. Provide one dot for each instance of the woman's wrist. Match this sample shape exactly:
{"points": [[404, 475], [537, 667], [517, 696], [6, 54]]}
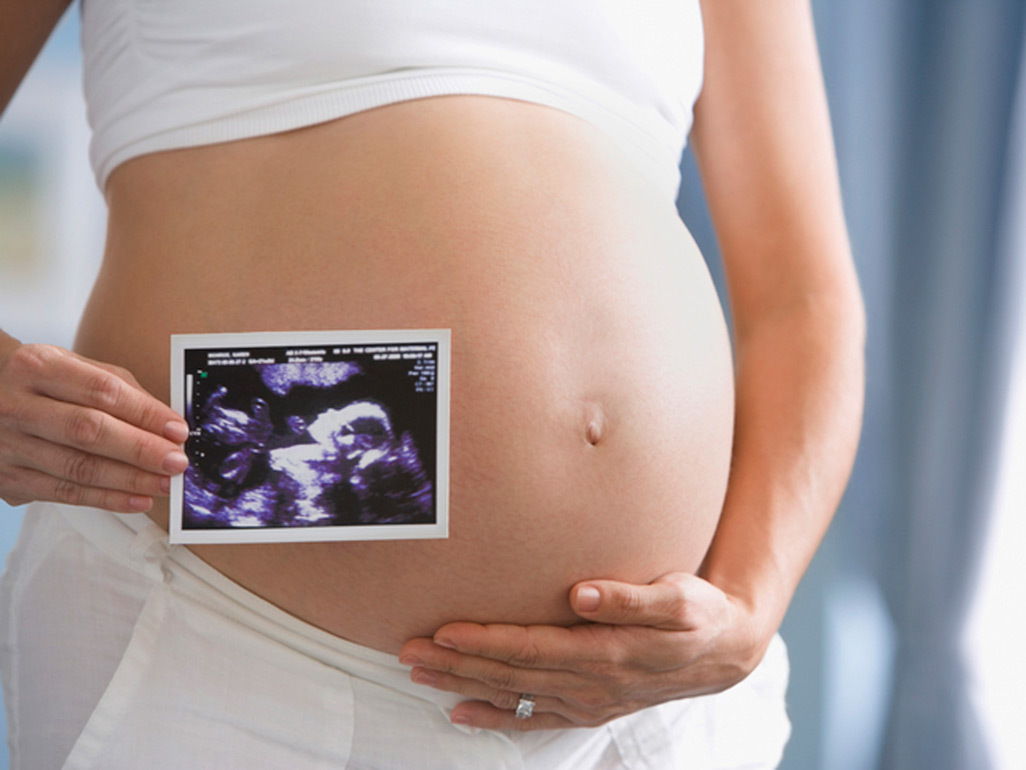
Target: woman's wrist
{"points": [[755, 582]]}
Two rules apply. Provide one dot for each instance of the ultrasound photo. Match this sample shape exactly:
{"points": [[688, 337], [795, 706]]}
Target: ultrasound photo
{"points": [[312, 436]]}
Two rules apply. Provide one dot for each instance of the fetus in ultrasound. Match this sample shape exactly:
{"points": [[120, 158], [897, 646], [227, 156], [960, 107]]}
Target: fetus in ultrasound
{"points": [[242, 435], [255, 465], [355, 472]]}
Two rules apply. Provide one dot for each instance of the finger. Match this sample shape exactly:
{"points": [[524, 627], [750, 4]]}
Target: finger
{"points": [[67, 376], [492, 674], [472, 689], [487, 716], [469, 688], [34, 485], [669, 602], [592, 651], [88, 469], [176, 428], [589, 706], [118, 371], [115, 391], [551, 648], [95, 432]]}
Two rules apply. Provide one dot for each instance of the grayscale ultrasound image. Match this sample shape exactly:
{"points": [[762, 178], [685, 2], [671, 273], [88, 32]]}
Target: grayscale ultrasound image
{"points": [[299, 438]]}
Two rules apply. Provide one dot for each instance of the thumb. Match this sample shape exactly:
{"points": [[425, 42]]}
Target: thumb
{"points": [[662, 603]]}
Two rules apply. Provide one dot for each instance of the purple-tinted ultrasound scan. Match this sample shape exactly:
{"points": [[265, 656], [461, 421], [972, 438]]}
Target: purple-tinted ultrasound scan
{"points": [[293, 437]]}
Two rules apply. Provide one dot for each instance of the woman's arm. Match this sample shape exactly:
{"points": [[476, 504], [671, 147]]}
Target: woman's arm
{"points": [[73, 430], [765, 151], [763, 141], [27, 25]]}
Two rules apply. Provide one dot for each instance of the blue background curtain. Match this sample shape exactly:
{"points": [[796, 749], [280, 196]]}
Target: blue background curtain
{"points": [[921, 95]]}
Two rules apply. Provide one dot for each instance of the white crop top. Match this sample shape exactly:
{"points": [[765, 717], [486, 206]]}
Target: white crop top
{"points": [[163, 74]]}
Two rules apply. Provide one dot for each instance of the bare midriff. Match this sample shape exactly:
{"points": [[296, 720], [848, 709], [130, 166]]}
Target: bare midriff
{"points": [[591, 388]]}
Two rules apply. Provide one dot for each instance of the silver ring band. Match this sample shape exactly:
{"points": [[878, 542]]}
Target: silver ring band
{"points": [[525, 706]]}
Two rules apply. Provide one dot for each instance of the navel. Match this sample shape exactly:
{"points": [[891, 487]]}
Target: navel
{"points": [[594, 423]]}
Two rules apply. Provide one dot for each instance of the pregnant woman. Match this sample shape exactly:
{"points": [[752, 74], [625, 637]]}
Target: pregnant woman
{"points": [[631, 506]]}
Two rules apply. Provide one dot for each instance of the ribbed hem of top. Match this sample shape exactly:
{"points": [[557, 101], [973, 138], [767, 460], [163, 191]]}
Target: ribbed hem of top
{"points": [[654, 149]]}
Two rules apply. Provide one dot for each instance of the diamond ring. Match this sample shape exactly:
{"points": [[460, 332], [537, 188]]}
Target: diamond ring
{"points": [[525, 707]]}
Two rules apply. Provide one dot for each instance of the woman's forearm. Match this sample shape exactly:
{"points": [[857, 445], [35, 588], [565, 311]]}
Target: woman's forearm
{"points": [[27, 25], [800, 389], [763, 142]]}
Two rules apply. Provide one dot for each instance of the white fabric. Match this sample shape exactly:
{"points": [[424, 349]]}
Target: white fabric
{"points": [[160, 75], [120, 652]]}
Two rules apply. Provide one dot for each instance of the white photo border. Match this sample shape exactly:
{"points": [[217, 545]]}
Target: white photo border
{"points": [[439, 529]]}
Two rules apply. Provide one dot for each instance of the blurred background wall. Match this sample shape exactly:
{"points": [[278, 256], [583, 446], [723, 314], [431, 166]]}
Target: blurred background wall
{"points": [[905, 650]]}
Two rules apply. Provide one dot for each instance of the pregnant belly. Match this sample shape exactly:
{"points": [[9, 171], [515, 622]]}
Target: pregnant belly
{"points": [[591, 386]]}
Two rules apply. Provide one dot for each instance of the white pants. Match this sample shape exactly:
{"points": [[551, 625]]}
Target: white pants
{"points": [[119, 652]]}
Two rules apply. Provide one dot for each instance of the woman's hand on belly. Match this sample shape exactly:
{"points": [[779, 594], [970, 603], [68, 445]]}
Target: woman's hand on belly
{"points": [[74, 430], [676, 637]]}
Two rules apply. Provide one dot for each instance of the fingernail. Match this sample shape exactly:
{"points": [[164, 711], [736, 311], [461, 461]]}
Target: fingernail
{"points": [[176, 431], [175, 462], [140, 503], [460, 719], [411, 660], [588, 598], [165, 485], [422, 676], [443, 642]]}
